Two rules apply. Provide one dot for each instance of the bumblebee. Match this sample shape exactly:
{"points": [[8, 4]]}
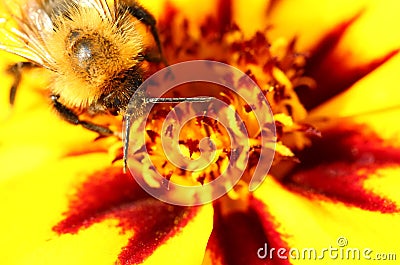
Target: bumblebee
{"points": [[96, 50]]}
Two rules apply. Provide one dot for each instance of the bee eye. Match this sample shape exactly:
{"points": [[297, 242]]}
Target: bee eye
{"points": [[83, 52]]}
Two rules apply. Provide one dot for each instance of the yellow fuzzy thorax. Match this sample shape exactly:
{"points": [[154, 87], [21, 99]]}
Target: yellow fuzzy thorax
{"points": [[114, 45]]}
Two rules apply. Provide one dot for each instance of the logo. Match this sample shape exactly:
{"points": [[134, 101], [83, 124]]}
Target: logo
{"points": [[199, 74]]}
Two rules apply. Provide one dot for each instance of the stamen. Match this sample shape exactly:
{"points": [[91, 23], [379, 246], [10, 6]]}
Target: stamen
{"points": [[147, 100]]}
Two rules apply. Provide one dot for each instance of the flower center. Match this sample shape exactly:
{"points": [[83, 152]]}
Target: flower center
{"points": [[273, 66]]}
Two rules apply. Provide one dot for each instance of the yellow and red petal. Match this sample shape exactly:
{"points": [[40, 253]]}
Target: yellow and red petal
{"points": [[62, 202]]}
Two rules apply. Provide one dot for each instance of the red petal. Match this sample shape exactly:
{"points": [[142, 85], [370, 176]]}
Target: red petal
{"points": [[238, 236], [110, 194], [337, 165], [330, 70]]}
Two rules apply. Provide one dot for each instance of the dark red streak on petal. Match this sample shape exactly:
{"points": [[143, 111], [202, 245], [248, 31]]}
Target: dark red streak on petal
{"points": [[214, 249], [272, 6], [166, 22], [274, 238], [100, 193], [238, 236], [329, 42], [337, 165], [154, 222], [110, 194], [224, 15], [321, 57], [330, 71]]}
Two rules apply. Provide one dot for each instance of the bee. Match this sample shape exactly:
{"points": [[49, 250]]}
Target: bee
{"points": [[96, 50]]}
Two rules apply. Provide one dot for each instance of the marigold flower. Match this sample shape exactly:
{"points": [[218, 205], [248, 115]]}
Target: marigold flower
{"points": [[329, 73]]}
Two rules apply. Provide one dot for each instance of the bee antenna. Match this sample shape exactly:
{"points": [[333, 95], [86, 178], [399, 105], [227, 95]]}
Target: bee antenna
{"points": [[176, 100]]}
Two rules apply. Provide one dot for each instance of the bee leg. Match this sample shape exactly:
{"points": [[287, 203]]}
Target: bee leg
{"points": [[69, 116], [16, 71], [148, 19]]}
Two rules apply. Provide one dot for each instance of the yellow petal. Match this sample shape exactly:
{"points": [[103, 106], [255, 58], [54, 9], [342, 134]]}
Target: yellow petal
{"points": [[373, 101], [377, 91], [188, 246], [305, 223], [371, 36], [309, 21], [33, 201]]}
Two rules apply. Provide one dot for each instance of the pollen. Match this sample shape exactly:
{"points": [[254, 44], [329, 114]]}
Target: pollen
{"points": [[275, 67]]}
